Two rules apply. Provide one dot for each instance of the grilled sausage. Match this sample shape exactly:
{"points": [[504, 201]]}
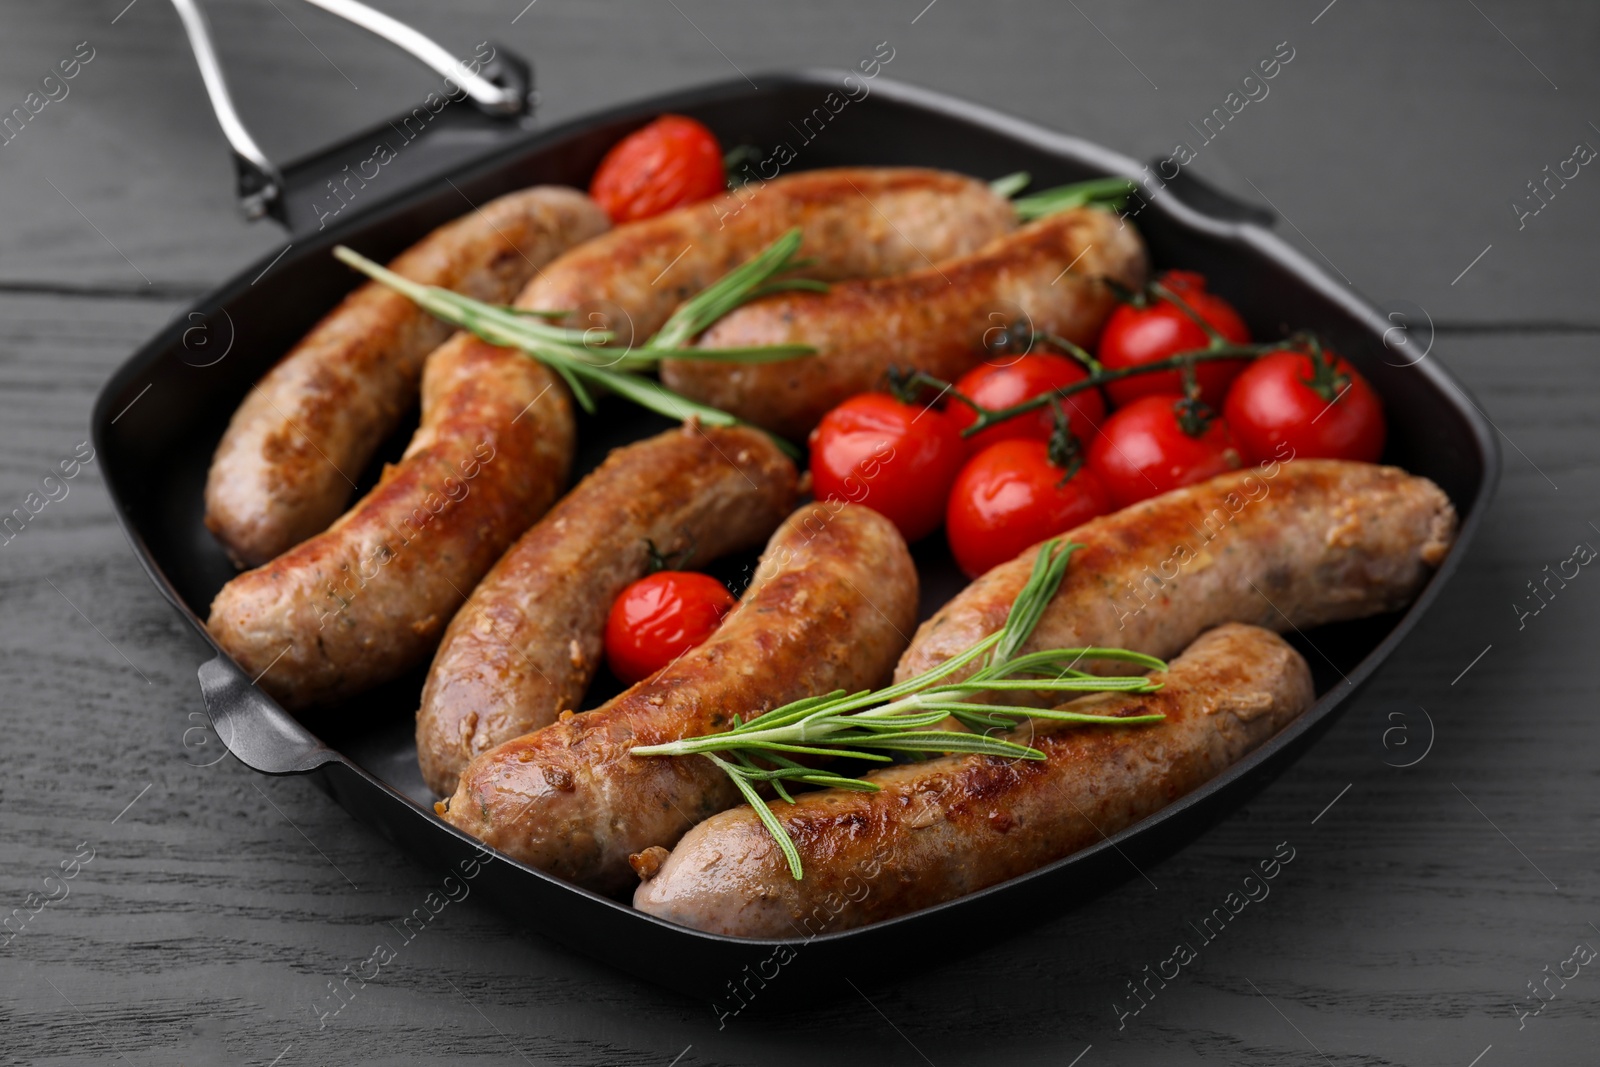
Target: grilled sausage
{"points": [[947, 827], [858, 222], [933, 319], [367, 599], [283, 469], [829, 608], [1289, 545], [527, 643]]}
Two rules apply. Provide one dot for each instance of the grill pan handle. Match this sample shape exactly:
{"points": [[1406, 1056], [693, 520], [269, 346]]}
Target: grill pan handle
{"points": [[1209, 200], [260, 734], [502, 91]]}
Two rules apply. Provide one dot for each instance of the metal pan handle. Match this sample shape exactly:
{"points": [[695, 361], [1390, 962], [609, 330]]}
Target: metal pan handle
{"points": [[491, 98], [261, 183], [260, 734], [1209, 200]]}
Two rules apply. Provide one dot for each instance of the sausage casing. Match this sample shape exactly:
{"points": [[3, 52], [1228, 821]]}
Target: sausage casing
{"points": [[934, 319], [829, 608], [947, 827], [857, 222], [368, 598], [526, 644], [1286, 545], [283, 469]]}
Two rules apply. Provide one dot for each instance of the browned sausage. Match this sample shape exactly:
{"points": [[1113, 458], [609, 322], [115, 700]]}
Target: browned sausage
{"points": [[283, 469], [934, 319], [857, 222], [527, 642], [829, 608], [947, 827], [1288, 545], [367, 599]]}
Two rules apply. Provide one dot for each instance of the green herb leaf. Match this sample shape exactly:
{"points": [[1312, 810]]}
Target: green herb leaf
{"points": [[1049, 568], [764, 813], [1106, 192], [1011, 184], [579, 392], [739, 286]]}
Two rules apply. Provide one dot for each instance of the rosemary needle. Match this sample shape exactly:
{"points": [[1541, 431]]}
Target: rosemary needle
{"points": [[1103, 192]]}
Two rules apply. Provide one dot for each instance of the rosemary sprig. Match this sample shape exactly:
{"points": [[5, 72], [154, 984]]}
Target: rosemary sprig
{"points": [[523, 328], [901, 718], [573, 354]]}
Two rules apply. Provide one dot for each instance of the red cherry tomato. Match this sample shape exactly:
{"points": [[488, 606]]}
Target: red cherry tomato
{"points": [[1273, 404], [1142, 451], [1135, 336], [659, 618], [897, 459], [669, 163], [1010, 497], [1000, 386]]}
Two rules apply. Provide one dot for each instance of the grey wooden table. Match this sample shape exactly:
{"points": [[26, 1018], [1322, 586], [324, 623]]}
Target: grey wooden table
{"points": [[209, 908]]}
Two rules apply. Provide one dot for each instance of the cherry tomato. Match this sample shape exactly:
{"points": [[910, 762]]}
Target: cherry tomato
{"points": [[996, 386], [671, 162], [1142, 451], [1010, 497], [1138, 335], [1273, 403], [659, 618], [897, 459]]}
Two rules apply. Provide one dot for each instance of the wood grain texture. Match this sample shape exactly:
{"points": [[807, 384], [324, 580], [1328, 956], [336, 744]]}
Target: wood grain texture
{"points": [[220, 904]]}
